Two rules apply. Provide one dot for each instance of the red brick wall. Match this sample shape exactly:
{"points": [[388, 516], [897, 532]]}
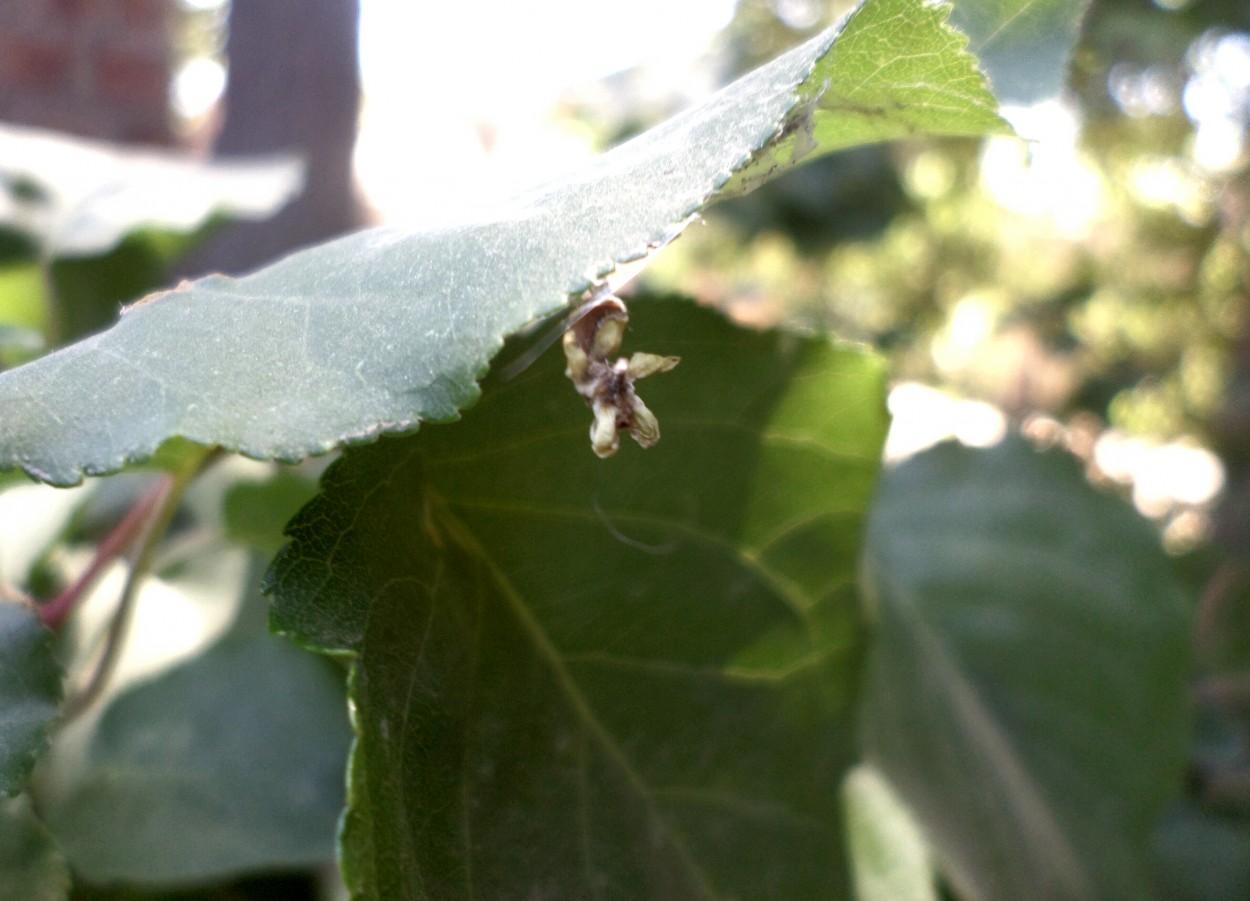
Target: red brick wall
{"points": [[98, 68]]}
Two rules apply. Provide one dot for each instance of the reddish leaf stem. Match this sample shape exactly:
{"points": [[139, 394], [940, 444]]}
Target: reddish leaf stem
{"points": [[166, 495], [53, 613]]}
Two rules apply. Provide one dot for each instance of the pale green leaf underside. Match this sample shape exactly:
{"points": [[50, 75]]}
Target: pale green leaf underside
{"points": [[381, 330]]}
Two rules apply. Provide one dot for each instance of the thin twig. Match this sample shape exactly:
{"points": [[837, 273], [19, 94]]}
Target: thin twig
{"points": [[168, 494], [54, 316], [54, 612]]}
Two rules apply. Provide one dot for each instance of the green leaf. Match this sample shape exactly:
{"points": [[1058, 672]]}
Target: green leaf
{"points": [[896, 70], [22, 295], [581, 679], [31, 866], [30, 691], [90, 291], [229, 763], [1203, 855], [888, 853], [256, 513], [384, 329], [1026, 692]]}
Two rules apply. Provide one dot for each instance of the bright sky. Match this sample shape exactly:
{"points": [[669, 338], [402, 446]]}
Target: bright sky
{"points": [[442, 82], [515, 58]]}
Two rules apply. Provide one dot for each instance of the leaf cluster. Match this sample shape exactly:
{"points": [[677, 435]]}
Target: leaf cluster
{"points": [[747, 662]]}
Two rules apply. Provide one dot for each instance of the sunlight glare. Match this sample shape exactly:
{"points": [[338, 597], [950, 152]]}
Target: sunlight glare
{"points": [[1163, 475], [971, 322], [1047, 175], [459, 96], [1166, 183], [1217, 99], [922, 416], [197, 85]]}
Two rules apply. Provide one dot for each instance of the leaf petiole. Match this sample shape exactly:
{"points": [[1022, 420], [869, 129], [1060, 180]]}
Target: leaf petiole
{"points": [[151, 517]]}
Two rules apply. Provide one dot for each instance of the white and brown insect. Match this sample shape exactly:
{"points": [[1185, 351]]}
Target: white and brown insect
{"points": [[593, 333], [607, 385]]}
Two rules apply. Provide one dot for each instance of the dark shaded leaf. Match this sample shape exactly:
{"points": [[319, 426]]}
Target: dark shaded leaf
{"points": [[229, 763], [1203, 855], [580, 678], [31, 866], [30, 690]]}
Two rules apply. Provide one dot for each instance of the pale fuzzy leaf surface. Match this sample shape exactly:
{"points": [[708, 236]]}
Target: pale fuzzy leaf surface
{"points": [[384, 329], [91, 194], [32, 868], [1026, 688], [30, 692], [579, 678], [889, 855], [227, 764]]}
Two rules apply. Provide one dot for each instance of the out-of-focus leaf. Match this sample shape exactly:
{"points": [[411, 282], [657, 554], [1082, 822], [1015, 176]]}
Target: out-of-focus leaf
{"points": [[257, 512], [1203, 856], [18, 343], [31, 866], [229, 763], [1023, 45], [30, 690], [1026, 690], [90, 291], [22, 294], [889, 856], [384, 329], [95, 194], [584, 680]]}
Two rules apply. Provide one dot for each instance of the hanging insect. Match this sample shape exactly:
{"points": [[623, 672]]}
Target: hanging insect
{"points": [[593, 332], [608, 385]]}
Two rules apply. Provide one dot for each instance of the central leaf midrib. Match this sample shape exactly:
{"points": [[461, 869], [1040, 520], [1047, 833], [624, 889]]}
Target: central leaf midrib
{"points": [[574, 697]]}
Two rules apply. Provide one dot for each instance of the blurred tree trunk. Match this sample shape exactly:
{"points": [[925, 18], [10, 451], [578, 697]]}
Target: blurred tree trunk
{"points": [[294, 86]]}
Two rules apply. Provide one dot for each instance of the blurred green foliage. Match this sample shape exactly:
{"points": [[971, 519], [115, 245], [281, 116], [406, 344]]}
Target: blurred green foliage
{"points": [[1099, 272], [1100, 269]]}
